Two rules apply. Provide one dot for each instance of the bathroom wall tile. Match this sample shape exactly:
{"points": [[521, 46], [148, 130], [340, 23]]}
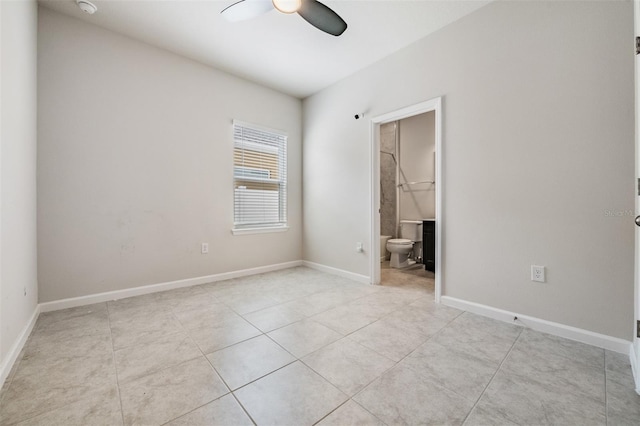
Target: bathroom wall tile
{"points": [[303, 337], [348, 365], [351, 413], [167, 394], [222, 334], [223, 411], [136, 361], [247, 361], [293, 395], [274, 317], [399, 396]]}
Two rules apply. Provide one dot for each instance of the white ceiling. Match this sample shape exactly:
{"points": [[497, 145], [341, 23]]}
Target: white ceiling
{"points": [[276, 50]]}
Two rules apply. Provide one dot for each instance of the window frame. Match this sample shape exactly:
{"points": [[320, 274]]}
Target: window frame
{"points": [[282, 161]]}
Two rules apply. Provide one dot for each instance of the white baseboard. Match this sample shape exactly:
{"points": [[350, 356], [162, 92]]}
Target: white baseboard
{"points": [[14, 352], [153, 288], [585, 336], [335, 271]]}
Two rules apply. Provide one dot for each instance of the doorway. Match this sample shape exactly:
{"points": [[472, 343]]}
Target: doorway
{"points": [[403, 184]]}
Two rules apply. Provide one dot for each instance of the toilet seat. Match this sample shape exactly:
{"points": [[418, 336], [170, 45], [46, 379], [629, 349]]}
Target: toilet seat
{"points": [[400, 242]]}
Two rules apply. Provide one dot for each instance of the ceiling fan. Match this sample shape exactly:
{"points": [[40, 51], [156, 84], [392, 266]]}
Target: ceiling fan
{"points": [[314, 12]]}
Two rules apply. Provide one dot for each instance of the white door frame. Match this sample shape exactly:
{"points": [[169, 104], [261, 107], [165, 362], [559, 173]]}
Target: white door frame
{"points": [[420, 108], [635, 348]]}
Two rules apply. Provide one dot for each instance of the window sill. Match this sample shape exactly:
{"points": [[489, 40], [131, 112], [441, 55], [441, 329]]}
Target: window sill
{"points": [[248, 231]]}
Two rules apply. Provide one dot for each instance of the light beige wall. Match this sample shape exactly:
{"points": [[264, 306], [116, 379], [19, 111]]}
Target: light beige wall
{"points": [[538, 152], [417, 164], [135, 164], [18, 275]]}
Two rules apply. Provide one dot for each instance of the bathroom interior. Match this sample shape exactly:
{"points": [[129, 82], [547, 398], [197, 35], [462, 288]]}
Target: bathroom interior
{"points": [[408, 200]]}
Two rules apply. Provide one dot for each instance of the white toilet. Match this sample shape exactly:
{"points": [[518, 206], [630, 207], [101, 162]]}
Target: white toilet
{"points": [[400, 248]]}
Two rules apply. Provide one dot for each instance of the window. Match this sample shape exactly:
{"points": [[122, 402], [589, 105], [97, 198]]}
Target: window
{"points": [[259, 179]]}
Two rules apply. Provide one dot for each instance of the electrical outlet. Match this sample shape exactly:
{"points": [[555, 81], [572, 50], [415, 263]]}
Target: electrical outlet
{"points": [[537, 273], [205, 248]]}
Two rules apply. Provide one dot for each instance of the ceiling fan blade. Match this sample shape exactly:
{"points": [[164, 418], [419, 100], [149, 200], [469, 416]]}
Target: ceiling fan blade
{"points": [[322, 17], [246, 9]]}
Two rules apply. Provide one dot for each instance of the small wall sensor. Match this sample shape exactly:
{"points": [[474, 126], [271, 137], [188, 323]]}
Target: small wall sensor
{"points": [[87, 6], [359, 115]]}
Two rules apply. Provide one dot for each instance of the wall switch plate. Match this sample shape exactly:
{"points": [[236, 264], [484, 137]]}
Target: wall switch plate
{"points": [[359, 247], [205, 248], [537, 273]]}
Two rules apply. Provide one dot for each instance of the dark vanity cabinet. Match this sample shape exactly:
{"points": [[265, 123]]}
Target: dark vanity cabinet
{"points": [[429, 244]]}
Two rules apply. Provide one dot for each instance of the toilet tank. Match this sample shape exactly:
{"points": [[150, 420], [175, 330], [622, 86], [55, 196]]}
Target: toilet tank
{"points": [[411, 230]]}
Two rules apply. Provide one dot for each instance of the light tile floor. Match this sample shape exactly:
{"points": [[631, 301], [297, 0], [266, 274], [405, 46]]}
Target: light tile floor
{"points": [[301, 347]]}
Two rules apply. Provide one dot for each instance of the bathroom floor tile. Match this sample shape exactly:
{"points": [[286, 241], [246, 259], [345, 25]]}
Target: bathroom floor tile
{"points": [[399, 396], [222, 334], [293, 395], [401, 357], [388, 339], [136, 361], [456, 370], [303, 337], [525, 400], [348, 365], [101, 408], [223, 411], [274, 317], [247, 361], [170, 393], [346, 319], [350, 413], [143, 328]]}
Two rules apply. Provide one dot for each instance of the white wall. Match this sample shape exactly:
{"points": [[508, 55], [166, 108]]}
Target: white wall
{"points": [[538, 152], [135, 164], [18, 175], [417, 164]]}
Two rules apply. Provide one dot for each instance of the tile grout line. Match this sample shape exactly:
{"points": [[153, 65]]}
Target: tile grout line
{"points": [[493, 376], [115, 365], [606, 399]]}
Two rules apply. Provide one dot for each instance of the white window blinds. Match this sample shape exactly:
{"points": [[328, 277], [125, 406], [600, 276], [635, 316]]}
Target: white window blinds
{"points": [[260, 177]]}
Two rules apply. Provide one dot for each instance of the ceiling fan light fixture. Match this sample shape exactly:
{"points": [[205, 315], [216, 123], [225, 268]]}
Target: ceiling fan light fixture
{"points": [[287, 6]]}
